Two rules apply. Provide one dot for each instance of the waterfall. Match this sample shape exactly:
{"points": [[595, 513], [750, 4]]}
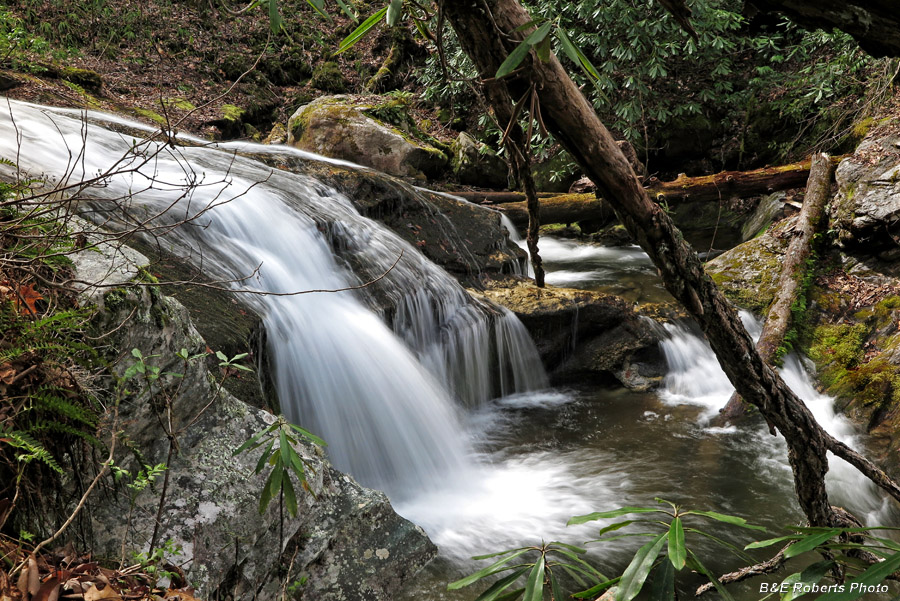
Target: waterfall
{"points": [[381, 395], [696, 378]]}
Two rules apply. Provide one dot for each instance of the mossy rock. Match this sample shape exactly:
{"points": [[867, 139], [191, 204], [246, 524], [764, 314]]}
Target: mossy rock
{"points": [[748, 273], [339, 127], [327, 77]]}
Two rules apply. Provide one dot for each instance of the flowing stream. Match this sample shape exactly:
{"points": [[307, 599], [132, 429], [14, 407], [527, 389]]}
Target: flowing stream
{"points": [[447, 407]]}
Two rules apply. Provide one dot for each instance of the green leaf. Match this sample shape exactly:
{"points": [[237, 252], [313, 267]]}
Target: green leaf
{"points": [[395, 9], [555, 590], [663, 587], [362, 30], [346, 10], [534, 586], [485, 571], [511, 596], [810, 542], [636, 573], [574, 573], [136, 353], [514, 59], [537, 36], [572, 548], [266, 494], [677, 551], [810, 575], [769, 542], [602, 515], [591, 569], [264, 457], [248, 443], [725, 544], [501, 585], [528, 25], [592, 592], [277, 477], [290, 497], [307, 434], [694, 563], [221, 356], [543, 50], [318, 6], [275, 22], [728, 519], [874, 575], [499, 553], [239, 356], [567, 46]]}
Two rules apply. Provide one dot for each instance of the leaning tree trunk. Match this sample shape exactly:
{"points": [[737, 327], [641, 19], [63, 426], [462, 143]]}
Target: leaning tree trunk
{"points": [[793, 271], [488, 30]]}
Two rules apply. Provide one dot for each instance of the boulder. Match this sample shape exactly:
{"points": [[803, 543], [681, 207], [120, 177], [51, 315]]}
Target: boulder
{"points": [[338, 127], [582, 334], [866, 211], [346, 541], [465, 239], [748, 273], [475, 164]]}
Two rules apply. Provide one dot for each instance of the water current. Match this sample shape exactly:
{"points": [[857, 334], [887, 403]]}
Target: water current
{"points": [[447, 407]]}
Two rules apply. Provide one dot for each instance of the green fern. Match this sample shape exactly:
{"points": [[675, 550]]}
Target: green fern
{"points": [[45, 399], [31, 449]]}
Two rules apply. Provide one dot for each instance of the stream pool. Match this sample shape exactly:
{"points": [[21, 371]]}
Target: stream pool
{"points": [[550, 455]]}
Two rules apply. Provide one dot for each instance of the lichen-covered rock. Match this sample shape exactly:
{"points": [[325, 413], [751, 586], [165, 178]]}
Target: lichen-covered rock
{"points": [[866, 211], [338, 127], [583, 334], [277, 135], [475, 164], [346, 542]]}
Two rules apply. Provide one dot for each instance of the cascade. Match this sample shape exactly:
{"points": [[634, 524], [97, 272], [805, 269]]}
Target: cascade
{"points": [[696, 378], [383, 397]]}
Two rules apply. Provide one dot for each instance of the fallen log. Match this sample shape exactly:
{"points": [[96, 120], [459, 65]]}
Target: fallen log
{"points": [[497, 197], [793, 270], [571, 208]]}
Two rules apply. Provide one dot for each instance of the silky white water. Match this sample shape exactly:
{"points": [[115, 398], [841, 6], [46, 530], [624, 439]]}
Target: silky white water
{"points": [[383, 398], [696, 378], [445, 408]]}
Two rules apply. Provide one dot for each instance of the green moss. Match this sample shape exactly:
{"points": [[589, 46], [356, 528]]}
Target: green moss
{"points": [[328, 77], [232, 112], [179, 103], [116, 300], [83, 77], [861, 128], [837, 349], [89, 100], [148, 114]]}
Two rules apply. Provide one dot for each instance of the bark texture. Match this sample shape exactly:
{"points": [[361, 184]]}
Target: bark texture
{"points": [[793, 270], [488, 30]]}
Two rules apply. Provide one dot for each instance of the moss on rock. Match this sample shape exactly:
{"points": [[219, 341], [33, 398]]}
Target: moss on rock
{"points": [[328, 78]]}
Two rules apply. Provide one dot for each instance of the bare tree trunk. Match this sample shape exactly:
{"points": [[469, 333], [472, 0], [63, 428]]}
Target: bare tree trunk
{"points": [[488, 30], [793, 270]]}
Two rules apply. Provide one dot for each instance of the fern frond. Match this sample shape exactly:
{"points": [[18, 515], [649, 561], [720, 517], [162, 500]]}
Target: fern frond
{"points": [[33, 450]]}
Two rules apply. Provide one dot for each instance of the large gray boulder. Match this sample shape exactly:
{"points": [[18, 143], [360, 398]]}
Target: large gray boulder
{"points": [[338, 127], [866, 211], [345, 543]]}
